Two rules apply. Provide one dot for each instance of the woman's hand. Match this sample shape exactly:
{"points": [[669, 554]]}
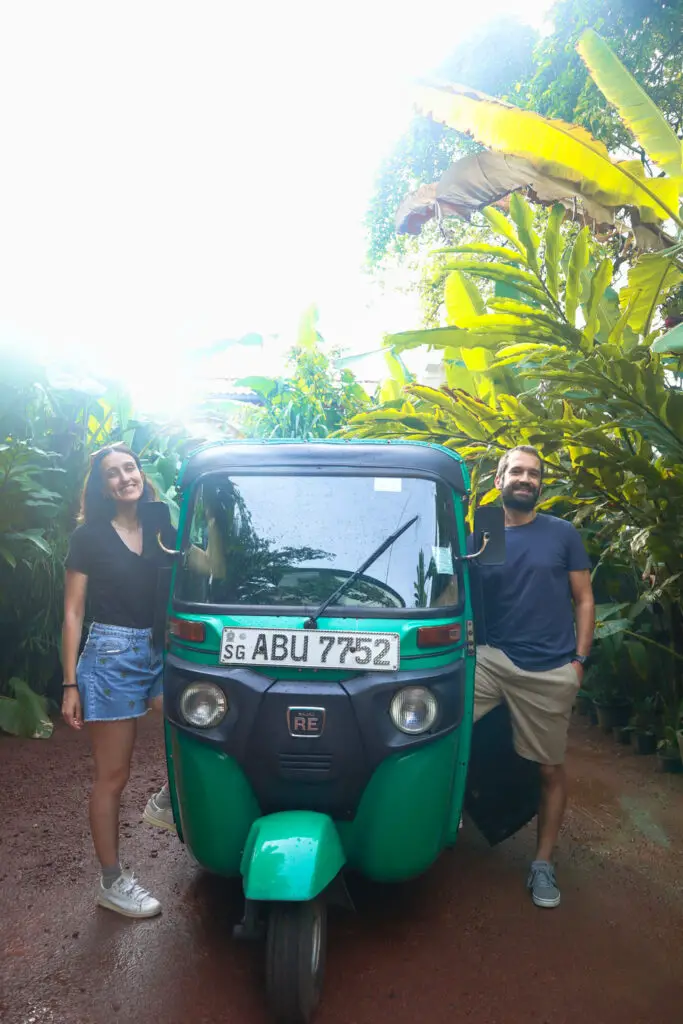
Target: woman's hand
{"points": [[71, 708]]}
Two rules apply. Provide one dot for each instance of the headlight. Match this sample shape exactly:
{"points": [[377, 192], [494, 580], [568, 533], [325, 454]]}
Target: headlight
{"points": [[413, 710], [203, 705]]}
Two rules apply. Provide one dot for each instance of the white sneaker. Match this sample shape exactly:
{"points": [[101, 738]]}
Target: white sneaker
{"points": [[160, 817], [126, 896]]}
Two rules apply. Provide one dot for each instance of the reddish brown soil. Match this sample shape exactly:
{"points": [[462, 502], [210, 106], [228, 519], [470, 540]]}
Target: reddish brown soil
{"points": [[463, 944]]}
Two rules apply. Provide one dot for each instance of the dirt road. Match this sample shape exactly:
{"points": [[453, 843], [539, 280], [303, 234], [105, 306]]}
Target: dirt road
{"points": [[464, 945]]}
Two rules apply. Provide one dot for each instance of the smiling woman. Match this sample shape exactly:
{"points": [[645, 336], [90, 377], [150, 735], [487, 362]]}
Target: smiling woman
{"points": [[114, 563]]}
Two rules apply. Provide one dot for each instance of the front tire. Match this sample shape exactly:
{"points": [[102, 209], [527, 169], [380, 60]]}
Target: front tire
{"points": [[295, 959]]}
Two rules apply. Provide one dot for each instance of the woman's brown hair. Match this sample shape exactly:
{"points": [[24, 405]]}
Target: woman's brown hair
{"points": [[95, 505]]}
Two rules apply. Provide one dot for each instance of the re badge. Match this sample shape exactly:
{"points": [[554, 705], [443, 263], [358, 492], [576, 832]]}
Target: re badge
{"points": [[306, 722]]}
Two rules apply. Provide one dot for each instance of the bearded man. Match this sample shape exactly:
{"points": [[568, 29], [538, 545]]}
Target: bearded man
{"points": [[540, 616]]}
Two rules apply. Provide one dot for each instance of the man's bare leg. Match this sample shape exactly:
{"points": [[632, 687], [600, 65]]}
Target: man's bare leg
{"points": [[551, 810], [542, 885]]}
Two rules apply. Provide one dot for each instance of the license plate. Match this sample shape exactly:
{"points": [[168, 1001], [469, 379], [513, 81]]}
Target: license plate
{"points": [[310, 648]]}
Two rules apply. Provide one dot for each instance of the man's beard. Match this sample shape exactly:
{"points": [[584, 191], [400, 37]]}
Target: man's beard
{"points": [[519, 498]]}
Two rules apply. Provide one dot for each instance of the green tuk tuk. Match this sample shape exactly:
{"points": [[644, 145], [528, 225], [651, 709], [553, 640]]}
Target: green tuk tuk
{"points": [[318, 692]]}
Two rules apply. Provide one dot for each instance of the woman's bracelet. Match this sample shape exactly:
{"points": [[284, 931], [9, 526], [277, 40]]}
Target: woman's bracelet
{"points": [[69, 686]]}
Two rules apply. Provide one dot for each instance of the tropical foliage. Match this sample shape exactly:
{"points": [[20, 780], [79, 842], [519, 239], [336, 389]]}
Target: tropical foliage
{"points": [[551, 79], [47, 432], [492, 60], [549, 340], [314, 401], [645, 36], [566, 364], [555, 160]]}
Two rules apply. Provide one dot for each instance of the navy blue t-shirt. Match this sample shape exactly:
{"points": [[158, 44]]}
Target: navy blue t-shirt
{"points": [[527, 601]]}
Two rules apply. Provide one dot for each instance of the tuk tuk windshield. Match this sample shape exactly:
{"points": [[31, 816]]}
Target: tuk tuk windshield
{"points": [[291, 540]]}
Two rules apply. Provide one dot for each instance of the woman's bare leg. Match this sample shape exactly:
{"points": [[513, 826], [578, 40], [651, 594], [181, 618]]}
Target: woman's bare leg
{"points": [[112, 746], [158, 811]]}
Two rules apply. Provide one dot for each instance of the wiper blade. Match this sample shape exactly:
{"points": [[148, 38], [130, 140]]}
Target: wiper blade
{"points": [[312, 622]]}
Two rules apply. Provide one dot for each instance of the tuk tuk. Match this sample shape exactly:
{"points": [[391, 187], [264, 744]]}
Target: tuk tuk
{"points": [[318, 692]]}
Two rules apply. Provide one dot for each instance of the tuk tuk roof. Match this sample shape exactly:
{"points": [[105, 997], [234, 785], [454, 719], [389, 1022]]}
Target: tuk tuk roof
{"points": [[384, 457]]}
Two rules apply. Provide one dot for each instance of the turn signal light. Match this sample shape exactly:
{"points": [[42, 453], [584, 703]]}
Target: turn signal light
{"points": [[439, 636], [187, 629]]}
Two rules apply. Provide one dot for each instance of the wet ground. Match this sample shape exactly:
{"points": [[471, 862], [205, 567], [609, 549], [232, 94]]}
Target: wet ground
{"points": [[464, 945]]}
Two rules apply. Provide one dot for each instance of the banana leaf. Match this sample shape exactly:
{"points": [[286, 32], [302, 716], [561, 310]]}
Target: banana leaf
{"points": [[499, 252], [635, 107], [483, 179], [551, 255], [672, 341], [560, 150], [461, 298], [503, 273], [649, 282], [578, 261], [599, 283], [524, 222]]}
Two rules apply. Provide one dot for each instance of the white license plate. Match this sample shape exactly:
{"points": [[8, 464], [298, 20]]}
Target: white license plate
{"points": [[310, 648]]}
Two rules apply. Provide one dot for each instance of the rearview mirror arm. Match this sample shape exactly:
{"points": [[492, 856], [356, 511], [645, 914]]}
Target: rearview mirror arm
{"points": [[168, 551], [486, 537]]}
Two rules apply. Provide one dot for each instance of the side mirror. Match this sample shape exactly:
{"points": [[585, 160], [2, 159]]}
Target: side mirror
{"points": [[489, 535], [154, 515]]}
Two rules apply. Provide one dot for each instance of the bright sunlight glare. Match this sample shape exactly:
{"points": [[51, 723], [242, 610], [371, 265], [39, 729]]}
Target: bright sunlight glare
{"points": [[177, 174]]}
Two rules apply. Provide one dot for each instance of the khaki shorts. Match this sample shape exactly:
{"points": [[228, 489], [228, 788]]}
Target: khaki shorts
{"points": [[540, 703]]}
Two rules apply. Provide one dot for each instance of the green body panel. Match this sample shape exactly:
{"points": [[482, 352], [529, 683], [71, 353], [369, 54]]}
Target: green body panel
{"points": [[463, 757], [216, 803], [465, 728], [402, 822], [291, 855], [173, 791]]}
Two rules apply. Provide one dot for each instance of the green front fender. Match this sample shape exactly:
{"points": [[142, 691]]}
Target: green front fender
{"points": [[291, 856]]}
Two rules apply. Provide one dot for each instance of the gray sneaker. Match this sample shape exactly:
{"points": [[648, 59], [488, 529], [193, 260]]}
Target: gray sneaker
{"points": [[158, 815], [541, 884], [126, 896]]}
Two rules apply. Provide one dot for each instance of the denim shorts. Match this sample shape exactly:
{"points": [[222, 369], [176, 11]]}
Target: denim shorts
{"points": [[118, 673]]}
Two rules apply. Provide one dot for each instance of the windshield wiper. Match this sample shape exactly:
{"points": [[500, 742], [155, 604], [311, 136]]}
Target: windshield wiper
{"points": [[312, 622]]}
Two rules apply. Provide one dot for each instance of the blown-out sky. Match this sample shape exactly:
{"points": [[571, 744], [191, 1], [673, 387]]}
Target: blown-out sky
{"points": [[174, 174]]}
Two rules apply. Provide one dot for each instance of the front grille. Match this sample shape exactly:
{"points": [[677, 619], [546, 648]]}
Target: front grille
{"points": [[305, 766]]}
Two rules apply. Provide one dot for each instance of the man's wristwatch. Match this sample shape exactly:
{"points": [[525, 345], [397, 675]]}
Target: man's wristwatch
{"points": [[581, 658]]}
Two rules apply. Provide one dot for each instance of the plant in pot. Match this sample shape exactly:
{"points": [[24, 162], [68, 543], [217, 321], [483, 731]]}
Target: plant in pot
{"points": [[584, 703], [668, 752], [672, 742], [612, 705], [622, 734], [584, 699], [643, 735]]}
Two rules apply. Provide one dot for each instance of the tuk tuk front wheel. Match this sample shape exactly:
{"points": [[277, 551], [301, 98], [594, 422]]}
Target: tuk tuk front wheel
{"points": [[295, 959]]}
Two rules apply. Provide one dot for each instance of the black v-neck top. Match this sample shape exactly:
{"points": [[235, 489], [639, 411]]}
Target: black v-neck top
{"points": [[122, 586]]}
